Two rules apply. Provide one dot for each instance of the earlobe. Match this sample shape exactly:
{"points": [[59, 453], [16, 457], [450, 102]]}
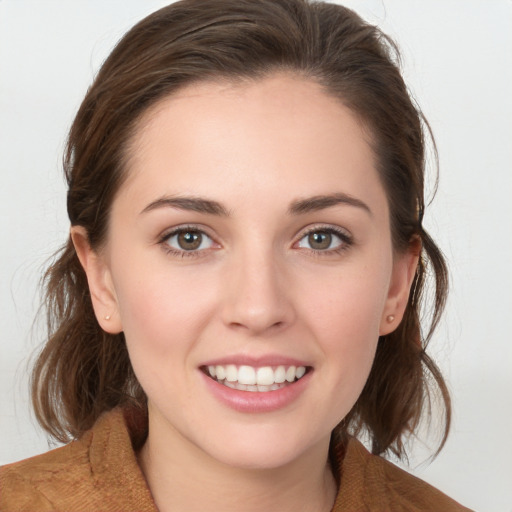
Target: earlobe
{"points": [[101, 287], [404, 271]]}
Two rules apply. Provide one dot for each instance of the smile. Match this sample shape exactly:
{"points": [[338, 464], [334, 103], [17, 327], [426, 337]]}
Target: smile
{"points": [[249, 378]]}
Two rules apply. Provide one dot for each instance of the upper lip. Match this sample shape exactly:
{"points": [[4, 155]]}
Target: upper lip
{"points": [[256, 362]]}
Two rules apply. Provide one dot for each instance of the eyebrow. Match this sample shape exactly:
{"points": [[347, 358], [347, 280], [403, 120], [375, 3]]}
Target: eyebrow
{"points": [[298, 207], [316, 203], [194, 204]]}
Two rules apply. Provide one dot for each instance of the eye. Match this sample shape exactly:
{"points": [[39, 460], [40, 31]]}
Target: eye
{"points": [[188, 240], [325, 240]]}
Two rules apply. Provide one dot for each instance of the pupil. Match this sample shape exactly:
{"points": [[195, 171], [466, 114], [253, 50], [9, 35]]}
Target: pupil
{"points": [[320, 240], [189, 240]]}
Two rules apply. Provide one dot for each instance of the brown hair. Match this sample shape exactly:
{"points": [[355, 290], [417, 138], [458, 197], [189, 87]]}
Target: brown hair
{"points": [[83, 371]]}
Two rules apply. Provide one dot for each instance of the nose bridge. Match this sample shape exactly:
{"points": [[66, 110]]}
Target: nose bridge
{"points": [[256, 297]]}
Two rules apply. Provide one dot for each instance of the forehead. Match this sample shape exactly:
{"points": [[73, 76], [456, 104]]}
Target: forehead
{"points": [[281, 131]]}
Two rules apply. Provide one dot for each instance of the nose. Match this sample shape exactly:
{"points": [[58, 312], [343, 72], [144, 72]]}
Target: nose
{"points": [[258, 295]]}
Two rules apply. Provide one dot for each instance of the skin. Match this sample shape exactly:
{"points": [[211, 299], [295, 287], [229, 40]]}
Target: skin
{"points": [[255, 288]]}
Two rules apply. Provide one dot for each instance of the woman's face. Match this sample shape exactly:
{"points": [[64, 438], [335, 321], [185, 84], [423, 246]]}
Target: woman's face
{"points": [[249, 245]]}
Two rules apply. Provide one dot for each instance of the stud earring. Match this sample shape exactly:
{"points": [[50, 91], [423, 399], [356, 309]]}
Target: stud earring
{"points": [[107, 317], [390, 318]]}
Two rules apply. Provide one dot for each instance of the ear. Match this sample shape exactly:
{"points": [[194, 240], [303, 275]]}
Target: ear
{"points": [[404, 270], [101, 287]]}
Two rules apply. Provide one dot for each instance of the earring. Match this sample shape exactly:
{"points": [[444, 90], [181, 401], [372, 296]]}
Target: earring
{"points": [[107, 317], [390, 318]]}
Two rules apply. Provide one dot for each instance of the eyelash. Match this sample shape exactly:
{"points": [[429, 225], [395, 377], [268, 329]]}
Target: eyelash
{"points": [[164, 242], [346, 241]]}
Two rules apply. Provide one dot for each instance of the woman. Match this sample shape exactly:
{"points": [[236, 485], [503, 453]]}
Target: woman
{"points": [[240, 292]]}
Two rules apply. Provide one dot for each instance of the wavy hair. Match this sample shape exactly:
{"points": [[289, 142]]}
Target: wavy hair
{"points": [[83, 371]]}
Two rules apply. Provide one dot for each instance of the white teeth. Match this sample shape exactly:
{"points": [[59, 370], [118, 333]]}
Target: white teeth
{"points": [[280, 375], [248, 378], [290, 374], [265, 376], [231, 373], [247, 375], [220, 372]]}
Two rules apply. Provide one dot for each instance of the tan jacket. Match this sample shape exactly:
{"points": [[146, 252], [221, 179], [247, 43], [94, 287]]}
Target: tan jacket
{"points": [[99, 472]]}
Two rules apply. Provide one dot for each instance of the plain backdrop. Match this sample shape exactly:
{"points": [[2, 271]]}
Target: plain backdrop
{"points": [[458, 64]]}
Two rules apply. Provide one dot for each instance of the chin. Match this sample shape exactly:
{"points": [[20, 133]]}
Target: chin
{"points": [[265, 452], [264, 459]]}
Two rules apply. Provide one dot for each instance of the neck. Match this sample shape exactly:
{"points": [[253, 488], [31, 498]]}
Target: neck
{"points": [[182, 478]]}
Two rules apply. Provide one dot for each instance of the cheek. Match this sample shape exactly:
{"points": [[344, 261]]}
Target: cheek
{"points": [[162, 314], [345, 318], [348, 329], [162, 310], [348, 306]]}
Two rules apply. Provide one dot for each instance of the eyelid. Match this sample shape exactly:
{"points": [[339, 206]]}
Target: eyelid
{"points": [[345, 237], [343, 234], [166, 233], [176, 230]]}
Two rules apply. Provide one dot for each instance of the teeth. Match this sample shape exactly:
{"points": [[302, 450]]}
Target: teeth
{"points": [[290, 374], [246, 375], [265, 376], [280, 375], [220, 372], [231, 373], [248, 378]]}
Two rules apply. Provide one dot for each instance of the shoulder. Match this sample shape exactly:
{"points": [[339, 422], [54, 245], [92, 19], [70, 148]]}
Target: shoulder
{"points": [[36, 482], [98, 471], [369, 482]]}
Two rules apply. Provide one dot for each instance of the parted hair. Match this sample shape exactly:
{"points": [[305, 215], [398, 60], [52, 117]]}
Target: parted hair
{"points": [[83, 371]]}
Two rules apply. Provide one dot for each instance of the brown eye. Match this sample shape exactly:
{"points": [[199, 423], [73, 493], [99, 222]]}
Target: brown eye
{"points": [[325, 240], [320, 240], [188, 240]]}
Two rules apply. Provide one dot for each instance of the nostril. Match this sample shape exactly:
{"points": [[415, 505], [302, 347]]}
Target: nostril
{"points": [[272, 327], [256, 315]]}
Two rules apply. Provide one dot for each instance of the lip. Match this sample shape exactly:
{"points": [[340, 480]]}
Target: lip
{"points": [[254, 401], [256, 362]]}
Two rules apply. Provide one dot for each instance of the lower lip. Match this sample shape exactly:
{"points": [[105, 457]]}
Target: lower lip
{"points": [[257, 401]]}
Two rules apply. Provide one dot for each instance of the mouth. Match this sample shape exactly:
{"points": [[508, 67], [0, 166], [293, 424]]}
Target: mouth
{"points": [[256, 379]]}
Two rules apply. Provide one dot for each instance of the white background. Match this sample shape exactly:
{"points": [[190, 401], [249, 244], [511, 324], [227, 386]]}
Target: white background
{"points": [[458, 63]]}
